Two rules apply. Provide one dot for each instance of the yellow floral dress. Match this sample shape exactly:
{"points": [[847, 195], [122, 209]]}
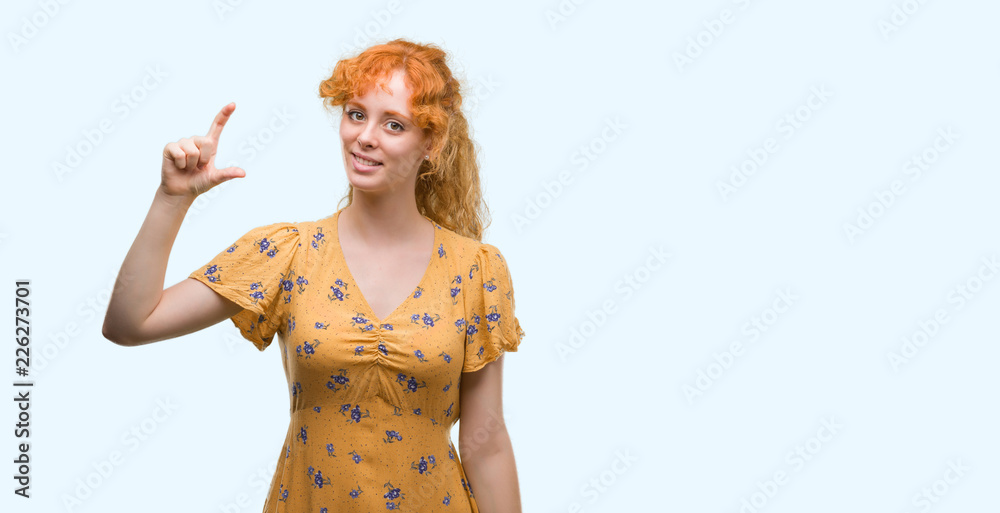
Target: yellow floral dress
{"points": [[372, 400]]}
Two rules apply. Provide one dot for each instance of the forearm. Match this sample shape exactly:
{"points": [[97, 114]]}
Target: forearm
{"points": [[492, 475], [140, 281]]}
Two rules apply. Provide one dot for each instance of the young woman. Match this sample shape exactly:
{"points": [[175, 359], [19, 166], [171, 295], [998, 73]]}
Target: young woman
{"points": [[392, 316]]}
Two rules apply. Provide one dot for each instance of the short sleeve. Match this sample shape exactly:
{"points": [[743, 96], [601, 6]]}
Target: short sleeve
{"points": [[254, 272], [491, 326]]}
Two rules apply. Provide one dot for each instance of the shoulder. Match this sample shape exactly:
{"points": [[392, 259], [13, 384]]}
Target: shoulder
{"points": [[284, 231], [462, 249]]}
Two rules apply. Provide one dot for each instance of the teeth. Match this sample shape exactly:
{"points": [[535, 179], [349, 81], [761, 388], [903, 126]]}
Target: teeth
{"points": [[366, 162]]}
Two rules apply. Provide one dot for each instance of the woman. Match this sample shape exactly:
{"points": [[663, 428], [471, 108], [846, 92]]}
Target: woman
{"points": [[392, 316]]}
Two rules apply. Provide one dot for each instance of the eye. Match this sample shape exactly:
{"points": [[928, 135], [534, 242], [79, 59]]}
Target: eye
{"points": [[350, 115]]}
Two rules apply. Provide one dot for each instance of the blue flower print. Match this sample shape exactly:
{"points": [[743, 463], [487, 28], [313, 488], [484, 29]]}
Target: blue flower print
{"points": [[493, 316], [356, 415], [338, 379], [391, 435], [447, 413], [316, 409], [272, 252], [416, 411], [318, 480], [283, 493], [359, 320], [263, 244], [446, 387], [355, 456], [426, 319], [358, 350], [307, 348], [337, 294], [455, 291], [317, 238], [392, 494], [447, 359], [321, 326], [387, 327], [257, 295], [231, 248], [489, 286], [417, 293], [420, 355], [329, 450], [447, 499], [291, 323], [430, 458], [420, 466], [355, 492], [302, 434], [381, 348], [412, 386], [301, 281]]}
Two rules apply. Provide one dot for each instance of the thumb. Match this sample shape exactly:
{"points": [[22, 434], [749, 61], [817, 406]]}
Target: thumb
{"points": [[232, 172]]}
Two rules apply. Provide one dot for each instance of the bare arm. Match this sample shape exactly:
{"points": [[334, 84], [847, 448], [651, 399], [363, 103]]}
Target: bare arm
{"points": [[483, 441], [140, 311]]}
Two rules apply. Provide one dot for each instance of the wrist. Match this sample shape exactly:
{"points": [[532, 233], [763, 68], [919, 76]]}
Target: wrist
{"points": [[174, 200]]}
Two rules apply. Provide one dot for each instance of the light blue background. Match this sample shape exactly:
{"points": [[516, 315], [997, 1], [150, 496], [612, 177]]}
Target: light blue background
{"points": [[542, 88]]}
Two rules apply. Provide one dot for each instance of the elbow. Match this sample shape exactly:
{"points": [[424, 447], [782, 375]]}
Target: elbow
{"points": [[480, 447], [114, 336]]}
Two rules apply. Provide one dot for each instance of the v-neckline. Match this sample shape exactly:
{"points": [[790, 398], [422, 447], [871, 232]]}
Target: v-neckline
{"points": [[357, 288]]}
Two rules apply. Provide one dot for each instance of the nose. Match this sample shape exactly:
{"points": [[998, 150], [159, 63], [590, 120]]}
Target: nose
{"points": [[366, 138]]}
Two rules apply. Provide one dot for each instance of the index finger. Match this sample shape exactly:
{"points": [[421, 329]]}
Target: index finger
{"points": [[215, 130]]}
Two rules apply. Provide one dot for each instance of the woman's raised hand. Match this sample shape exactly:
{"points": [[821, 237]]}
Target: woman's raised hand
{"points": [[189, 164]]}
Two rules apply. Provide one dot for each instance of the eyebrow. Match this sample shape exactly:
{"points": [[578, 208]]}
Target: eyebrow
{"points": [[388, 112]]}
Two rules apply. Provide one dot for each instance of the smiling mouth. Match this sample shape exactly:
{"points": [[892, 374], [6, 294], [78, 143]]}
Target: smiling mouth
{"points": [[365, 161]]}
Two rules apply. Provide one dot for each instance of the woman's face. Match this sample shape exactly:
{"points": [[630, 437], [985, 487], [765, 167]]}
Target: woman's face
{"points": [[379, 127]]}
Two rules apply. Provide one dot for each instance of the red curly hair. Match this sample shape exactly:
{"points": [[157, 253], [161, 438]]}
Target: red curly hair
{"points": [[448, 187]]}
